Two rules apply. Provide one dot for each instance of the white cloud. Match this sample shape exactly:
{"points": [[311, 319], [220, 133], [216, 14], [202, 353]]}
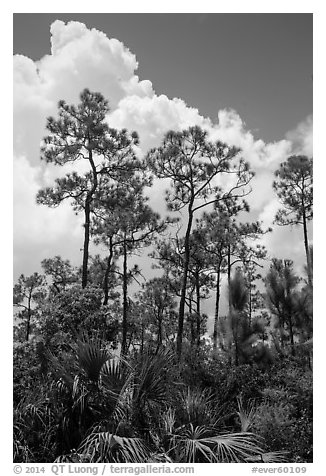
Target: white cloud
{"points": [[80, 58], [153, 116], [40, 232], [232, 130], [88, 58], [31, 107], [302, 137]]}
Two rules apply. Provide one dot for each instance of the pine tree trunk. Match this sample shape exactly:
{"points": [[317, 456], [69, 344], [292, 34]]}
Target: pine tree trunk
{"points": [[88, 201], [236, 353], [217, 304], [306, 244], [250, 302], [291, 335], [125, 301], [191, 320], [184, 282], [142, 339], [230, 303], [29, 315], [28, 324], [86, 243], [159, 331], [198, 308], [229, 278], [107, 273]]}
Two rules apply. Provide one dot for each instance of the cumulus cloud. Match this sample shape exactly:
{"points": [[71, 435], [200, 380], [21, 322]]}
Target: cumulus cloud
{"points": [[153, 116], [88, 58], [231, 129], [40, 232], [31, 107], [79, 58], [302, 137], [82, 57]]}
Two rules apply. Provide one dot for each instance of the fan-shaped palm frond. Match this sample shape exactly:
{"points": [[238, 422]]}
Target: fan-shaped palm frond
{"points": [[101, 446], [34, 426], [159, 458], [150, 384], [199, 444], [114, 375], [65, 379], [80, 394], [199, 407], [168, 420], [271, 457], [92, 355], [246, 415], [235, 447], [189, 446], [72, 457]]}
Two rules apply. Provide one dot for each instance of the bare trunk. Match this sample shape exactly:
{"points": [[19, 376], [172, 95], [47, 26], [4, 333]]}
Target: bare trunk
{"points": [[184, 282], [191, 320], [125, 301], [29, 314], [230, 303], [142, 339], [306, 244], [229, 278], [291, 335], [88, 202], [236, 353], [198, 308], [28, 324], [107, 273], [86, 243], [159, 331], [250, 302], [217, 304]]}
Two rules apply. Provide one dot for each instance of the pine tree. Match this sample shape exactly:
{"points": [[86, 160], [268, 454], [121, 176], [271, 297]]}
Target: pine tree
{"points": [[192, 164], [294, 188], [81, 133]]}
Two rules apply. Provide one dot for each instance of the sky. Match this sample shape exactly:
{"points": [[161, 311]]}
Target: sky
{"points": [[245, 78]]}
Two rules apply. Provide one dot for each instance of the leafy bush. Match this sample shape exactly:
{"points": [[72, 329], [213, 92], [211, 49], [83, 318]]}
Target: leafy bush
{"points": [[75, 310], [284, 417]]}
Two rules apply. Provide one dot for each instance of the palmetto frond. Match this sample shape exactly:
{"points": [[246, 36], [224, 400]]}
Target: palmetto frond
{"points": [[199, 444], [271, 457], [32, 418], [107, 447], [149, 384], [168, 420], [115, 374], [246, 415], [80, 394], [236, 447], [200, 408], [159, 458], [72, 457], [65, 379], [123, 402], [92, 355]]}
